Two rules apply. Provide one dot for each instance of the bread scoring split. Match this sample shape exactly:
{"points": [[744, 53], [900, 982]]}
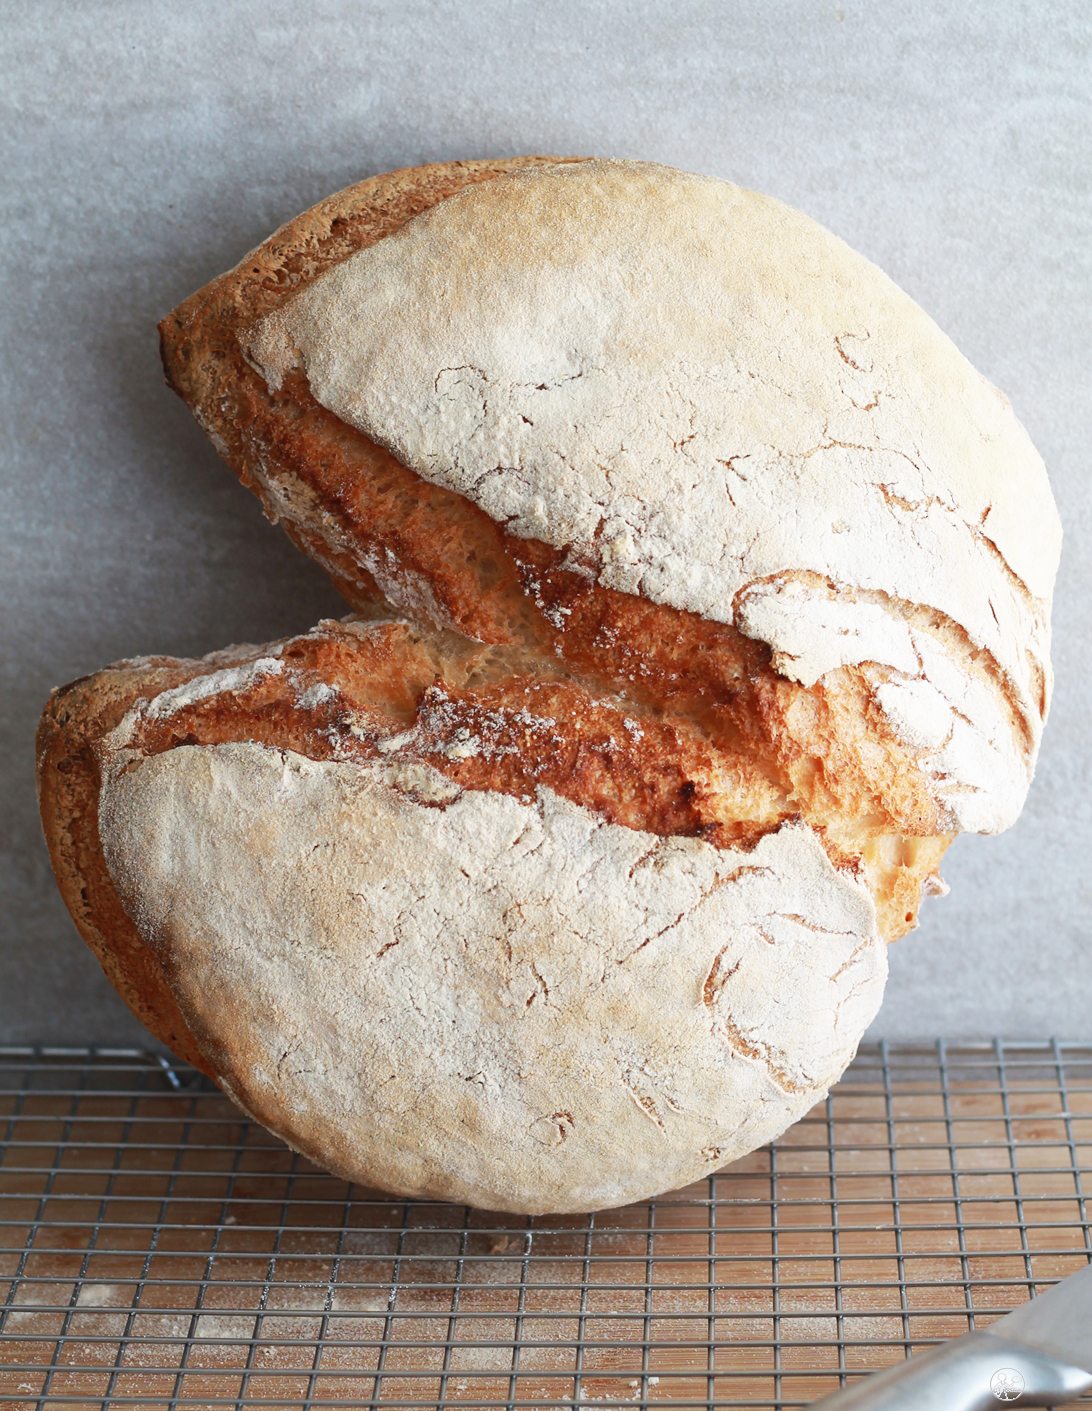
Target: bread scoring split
{"points": [[705, 399], [704, 596]]}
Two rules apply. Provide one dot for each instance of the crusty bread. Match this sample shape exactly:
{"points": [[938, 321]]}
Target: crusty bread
{"points": [[727, 583], [633, 414], [451, 922]]}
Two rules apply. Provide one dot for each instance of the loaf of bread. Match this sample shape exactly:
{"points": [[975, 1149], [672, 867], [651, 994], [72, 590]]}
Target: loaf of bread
{"points": [[701, 596]]}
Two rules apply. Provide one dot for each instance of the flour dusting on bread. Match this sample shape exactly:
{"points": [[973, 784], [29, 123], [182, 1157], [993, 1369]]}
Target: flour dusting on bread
{"points": [[479, 998], [708, 400]]}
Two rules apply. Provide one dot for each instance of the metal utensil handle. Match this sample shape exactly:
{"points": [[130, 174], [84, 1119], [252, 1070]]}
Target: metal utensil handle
{"points": [[979, 1372]]}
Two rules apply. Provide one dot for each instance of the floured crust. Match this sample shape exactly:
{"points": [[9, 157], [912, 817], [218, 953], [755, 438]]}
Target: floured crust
{"points": [[462, 995], [382, 872], [938, 642], [376, 528]]}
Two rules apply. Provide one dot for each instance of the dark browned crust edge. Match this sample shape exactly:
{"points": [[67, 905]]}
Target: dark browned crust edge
{"points": [[76, 718]]}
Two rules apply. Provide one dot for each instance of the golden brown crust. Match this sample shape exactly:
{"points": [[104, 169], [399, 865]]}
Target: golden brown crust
{"points": [[486, 718], [72, 725]]}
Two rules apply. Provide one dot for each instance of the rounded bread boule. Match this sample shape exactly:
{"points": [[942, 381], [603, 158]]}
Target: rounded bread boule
{"points": [[408, 930], [730, 586]]}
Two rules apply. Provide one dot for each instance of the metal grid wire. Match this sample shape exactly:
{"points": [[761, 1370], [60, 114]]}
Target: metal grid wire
{"points": [[158, 1249]]}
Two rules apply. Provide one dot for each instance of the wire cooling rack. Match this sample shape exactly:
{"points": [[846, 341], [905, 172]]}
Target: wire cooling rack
{"points": [[159, 1250]]}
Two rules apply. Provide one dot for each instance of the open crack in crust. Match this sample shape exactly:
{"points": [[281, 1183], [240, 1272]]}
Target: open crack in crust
{"points": [[907, 756]]}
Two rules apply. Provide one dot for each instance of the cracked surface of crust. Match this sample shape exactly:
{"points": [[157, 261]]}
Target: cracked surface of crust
{"points": [[352, 859], [954, 704], [530, 1027]]}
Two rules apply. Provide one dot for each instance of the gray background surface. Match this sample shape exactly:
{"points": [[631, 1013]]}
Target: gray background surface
{"points": [[149, 145]]}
